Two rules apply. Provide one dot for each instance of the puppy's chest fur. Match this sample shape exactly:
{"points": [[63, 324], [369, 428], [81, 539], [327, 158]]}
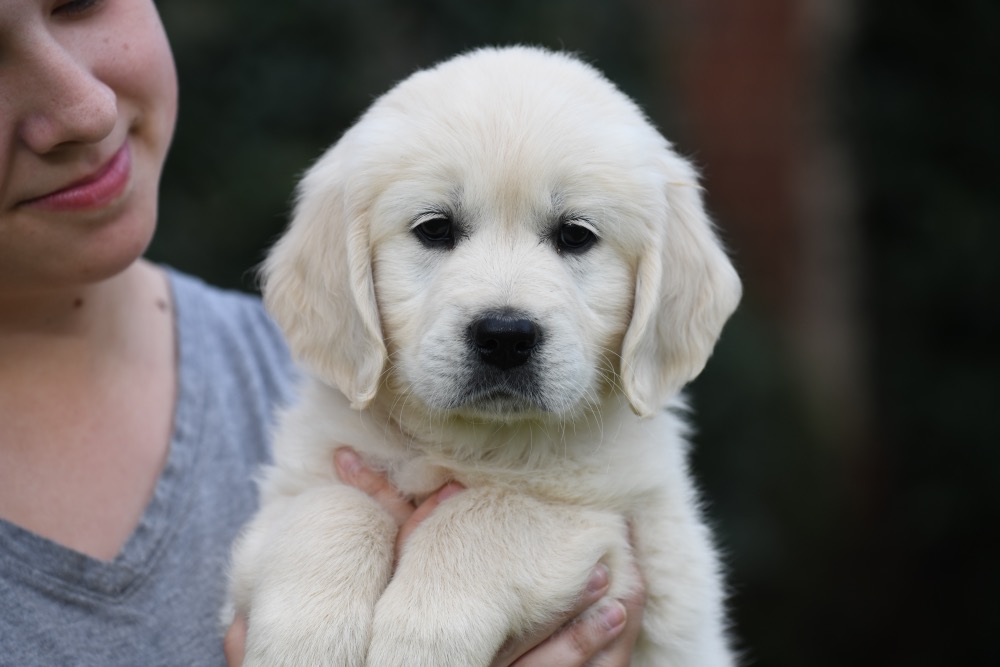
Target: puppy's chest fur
{"points": [[543, 504], [608, 459]]}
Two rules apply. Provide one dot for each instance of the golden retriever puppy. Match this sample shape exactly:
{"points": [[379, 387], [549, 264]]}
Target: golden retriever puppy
{"points": [[501, 275]]}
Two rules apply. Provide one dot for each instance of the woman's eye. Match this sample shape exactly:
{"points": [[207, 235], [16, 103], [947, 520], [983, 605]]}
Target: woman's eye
{"points": [[73, 7], [436, 232], [574, 238]]}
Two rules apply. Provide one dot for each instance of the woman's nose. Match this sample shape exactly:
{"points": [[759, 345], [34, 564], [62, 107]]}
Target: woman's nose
{"points": [[67, 103]]}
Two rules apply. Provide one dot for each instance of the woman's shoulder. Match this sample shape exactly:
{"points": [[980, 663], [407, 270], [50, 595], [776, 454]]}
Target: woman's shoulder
{"points": [[221, 313], [189, 290], [230, 332]]}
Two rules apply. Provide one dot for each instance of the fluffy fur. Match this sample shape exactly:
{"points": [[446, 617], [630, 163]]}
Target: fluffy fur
{"points": [[518, 154]]}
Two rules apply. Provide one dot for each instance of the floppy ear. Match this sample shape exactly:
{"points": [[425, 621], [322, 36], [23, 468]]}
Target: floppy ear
{"points": [[685, 290], [317, 283]]}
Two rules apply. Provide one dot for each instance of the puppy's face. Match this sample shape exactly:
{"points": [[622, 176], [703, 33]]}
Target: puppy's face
{"points": [[503, 236], [502, 292]]}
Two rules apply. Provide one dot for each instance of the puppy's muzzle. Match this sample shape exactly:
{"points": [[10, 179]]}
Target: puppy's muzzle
{"points": [[504, 340]]}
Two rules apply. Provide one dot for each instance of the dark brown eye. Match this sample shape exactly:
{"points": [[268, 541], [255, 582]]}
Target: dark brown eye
{"points": [[574, 238], [436, 232]]}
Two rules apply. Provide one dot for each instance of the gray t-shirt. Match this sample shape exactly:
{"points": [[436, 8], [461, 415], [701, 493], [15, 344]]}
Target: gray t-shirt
{"points": [[158, 602]]}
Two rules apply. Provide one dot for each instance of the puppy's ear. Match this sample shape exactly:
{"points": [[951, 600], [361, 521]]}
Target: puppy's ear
{"points": [[317, 283], [686, 289]]}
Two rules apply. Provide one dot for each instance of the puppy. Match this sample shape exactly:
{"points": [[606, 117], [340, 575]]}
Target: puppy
{"points": [[501, 275]]}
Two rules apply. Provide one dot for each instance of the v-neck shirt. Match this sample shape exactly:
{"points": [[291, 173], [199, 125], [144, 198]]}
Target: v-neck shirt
{"points": [[158, 602]]}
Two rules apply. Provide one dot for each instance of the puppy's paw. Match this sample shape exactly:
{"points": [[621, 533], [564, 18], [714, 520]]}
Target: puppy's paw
{"points": [[308, 575], [446, 635], [281, 637]]}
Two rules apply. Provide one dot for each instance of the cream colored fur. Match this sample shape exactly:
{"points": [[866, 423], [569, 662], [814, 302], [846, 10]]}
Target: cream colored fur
{"points": [[509, 144]]}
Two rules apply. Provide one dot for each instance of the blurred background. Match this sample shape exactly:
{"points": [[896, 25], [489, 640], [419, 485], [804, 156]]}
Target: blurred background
{"points": [[847, 434]]}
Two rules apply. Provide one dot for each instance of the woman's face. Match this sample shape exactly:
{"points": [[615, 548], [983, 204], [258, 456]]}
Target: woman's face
{"points": [[88, 100]]}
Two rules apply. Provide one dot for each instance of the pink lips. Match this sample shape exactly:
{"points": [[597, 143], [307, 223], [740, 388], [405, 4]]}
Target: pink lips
{"points": [[94, 191]]}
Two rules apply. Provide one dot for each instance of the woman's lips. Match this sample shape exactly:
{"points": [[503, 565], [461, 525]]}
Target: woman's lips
{"points": [[94, 191]]}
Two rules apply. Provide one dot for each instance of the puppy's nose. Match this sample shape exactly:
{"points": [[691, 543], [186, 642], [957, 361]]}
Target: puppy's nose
{"points": [[504, 341]]}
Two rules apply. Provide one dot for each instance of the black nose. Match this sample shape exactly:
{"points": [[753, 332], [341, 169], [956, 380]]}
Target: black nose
{"points": [[504, 341]]}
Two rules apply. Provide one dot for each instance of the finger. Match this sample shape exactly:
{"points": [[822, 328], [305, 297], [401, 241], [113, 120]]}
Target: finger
{"points": [[354, 472], [423, 511], [234, 642], [517, 650], [580, 641], [618, 651]]}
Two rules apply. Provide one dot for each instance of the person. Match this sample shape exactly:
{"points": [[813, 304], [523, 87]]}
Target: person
{"points": [[135, 401]]}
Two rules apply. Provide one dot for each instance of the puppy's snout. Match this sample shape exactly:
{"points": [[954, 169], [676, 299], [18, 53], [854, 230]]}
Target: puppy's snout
{"points": [[504, 341]]}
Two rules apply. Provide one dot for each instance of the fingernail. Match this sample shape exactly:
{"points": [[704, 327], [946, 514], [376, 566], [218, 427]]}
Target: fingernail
{"points": [[348, 461], [613, 615], [598, 579]]}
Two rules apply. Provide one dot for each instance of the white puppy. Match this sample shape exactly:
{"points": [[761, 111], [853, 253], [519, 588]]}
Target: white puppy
{"points": [[509, 275]]}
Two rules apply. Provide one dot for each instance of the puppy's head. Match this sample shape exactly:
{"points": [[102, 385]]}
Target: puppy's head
{"points": [[501, 236]]}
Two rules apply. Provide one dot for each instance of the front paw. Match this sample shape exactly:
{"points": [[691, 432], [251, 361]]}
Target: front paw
{"points": [[284, 635], [308, 577], [450, 633]]}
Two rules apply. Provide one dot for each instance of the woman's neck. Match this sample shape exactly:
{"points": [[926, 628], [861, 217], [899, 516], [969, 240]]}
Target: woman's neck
{"points": [[87, 389], [43, 326]]}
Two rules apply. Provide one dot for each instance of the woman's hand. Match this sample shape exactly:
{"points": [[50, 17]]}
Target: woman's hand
{"points": [[408, 516], [602, 636], [598, 636], [233, 644]]}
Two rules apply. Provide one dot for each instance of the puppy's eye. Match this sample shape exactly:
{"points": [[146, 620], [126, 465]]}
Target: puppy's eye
{"points": [[574, 238], [436, 232]]}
